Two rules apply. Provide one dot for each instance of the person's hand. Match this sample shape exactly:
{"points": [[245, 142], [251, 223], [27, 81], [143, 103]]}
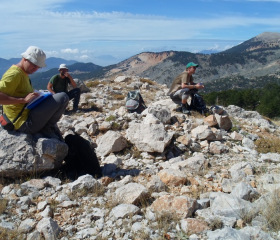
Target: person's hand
{"points": [[29, 97], [199, 86], [66, 74]]}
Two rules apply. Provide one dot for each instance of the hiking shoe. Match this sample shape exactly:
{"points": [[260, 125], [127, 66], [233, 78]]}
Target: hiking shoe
{"points": [[178, 109], [188, 112], [52, 132], [185, 109]]}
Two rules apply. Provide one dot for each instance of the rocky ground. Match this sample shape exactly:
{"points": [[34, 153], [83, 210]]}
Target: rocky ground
{"points": [[166, 175]]}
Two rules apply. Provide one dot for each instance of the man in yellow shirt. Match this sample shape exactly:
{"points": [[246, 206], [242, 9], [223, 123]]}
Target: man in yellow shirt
{"points": [[16, 91]]}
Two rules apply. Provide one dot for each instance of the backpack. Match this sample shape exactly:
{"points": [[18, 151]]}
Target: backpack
{"points": [[81, 158], [198, 104], [135, 102]]}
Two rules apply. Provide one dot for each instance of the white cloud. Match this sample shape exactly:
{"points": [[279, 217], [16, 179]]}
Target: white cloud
{"points": [[29, 6], [73, 28], [63, 33], [84, 57], [70, 51], [51, 53]]}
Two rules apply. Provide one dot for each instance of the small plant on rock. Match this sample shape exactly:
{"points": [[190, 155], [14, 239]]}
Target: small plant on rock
{"points": [[110, 118]]}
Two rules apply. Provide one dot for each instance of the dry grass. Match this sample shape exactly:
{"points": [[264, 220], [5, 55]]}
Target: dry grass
{"points": [[136, 153], [247, 216], [3, 205], [149, 96], [166, 222], [268, 144], [92, 84], [7, 234], [272, 212], [97, 190], [118, 97], [216, 223], [144, 80], [116, 106], [197, 191], [276, 122], [53, 204]]}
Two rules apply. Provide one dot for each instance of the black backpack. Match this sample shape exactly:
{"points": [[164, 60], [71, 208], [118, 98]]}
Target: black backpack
{"points": [[81, 158], [135, 102], [198, 104]]}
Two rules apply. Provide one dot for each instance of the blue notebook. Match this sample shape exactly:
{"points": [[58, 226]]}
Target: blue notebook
{"points": [[39, 99]]}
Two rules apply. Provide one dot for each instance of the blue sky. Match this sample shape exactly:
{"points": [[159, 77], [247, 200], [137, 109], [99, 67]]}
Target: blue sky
{"points": [[107, 31]]}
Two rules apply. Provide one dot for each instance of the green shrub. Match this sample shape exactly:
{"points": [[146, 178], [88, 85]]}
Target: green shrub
{"points": [[110, 118]]}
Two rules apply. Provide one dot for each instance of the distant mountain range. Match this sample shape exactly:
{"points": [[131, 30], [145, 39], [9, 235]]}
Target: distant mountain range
{"points": [[82, 71], [42, 76], [252, 63], [51, 62]]}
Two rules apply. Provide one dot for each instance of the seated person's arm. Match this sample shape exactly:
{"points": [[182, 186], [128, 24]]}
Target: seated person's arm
{"points": [[6, 99], [190, 86], [50, 88]]}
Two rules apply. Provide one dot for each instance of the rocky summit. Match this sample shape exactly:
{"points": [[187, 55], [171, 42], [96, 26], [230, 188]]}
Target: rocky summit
{"points": [[165, 175]]}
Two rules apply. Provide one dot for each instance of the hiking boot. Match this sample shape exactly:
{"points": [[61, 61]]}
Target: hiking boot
{"points": [[185, 109], [52, 132], [178, 109], [75, 109]]}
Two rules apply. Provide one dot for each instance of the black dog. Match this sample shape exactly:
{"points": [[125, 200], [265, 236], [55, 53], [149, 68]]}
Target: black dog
{"points": [[81, 158]]}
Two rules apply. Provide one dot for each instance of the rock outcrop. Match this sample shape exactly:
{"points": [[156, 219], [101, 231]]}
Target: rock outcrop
{"points": [[23, 154]]}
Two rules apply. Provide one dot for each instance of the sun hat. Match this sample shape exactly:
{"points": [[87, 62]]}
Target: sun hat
{"points": [[62, 66], [191, 64], [35, 55]]}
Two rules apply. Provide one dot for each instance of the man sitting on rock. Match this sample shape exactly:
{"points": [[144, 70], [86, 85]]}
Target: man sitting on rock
{"points": [[59, 83], [180, 88], [16, 91]]}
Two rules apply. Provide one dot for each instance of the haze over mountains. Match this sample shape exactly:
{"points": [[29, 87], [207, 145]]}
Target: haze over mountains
{"points": [[245, 65], [257, 57]]}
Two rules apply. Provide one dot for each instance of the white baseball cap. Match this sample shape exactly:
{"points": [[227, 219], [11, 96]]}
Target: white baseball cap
{"points": [[62, 66], [35, 55]]}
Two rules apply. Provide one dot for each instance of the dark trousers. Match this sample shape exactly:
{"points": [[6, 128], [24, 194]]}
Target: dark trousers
{"points": [[75, 94], [47, 113]]}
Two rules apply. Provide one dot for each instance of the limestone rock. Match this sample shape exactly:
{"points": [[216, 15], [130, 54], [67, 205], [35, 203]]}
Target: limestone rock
{"points": [[20, 154], [148, 137], [182, 206], [110, 142]]}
